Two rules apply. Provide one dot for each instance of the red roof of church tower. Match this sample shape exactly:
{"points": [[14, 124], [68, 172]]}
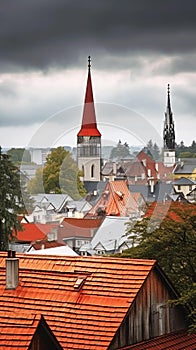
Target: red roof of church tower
{"points": [[89, 124]]}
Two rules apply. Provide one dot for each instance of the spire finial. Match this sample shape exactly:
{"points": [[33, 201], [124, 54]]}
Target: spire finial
{"points": [[168, 89], [89, 62]]}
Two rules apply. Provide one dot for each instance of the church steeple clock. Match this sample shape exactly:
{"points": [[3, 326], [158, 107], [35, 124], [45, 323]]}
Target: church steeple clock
{"points": [[169, 134], [89, 137]]}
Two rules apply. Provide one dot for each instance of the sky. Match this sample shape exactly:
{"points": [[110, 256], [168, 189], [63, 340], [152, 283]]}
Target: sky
{"points": [[136, 49]]}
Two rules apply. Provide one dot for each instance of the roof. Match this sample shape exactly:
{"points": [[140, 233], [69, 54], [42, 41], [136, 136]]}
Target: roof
{"points": [[46, 244], [33, 232], [86, 317], [11, 325], [185, 166], [183, 181], [116, 200], [161, 189], [73, 227], [57, 200], [63, 250], [80, 205], [174, 341], [111, 234], [89, 124], [109, 168]]}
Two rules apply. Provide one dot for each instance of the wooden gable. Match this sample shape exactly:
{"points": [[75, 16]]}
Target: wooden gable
{"points": [[151, 314]]}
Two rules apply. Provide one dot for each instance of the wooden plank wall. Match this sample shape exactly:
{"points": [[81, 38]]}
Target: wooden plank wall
{"points": [[150, 315]]}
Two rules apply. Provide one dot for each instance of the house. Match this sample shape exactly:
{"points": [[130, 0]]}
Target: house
{"points": [[85, 302], [191, 196], [77, 209], [185, 167], [184, 185], [47, 207], [77, 232], [141, 170], [110, 238], [32, 233], [115, 200]]}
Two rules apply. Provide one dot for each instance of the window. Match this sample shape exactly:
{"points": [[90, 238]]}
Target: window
{"points": [[92, 170]]}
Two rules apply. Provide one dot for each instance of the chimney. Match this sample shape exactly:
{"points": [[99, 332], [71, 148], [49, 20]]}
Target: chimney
{"points": [[12, 270]]}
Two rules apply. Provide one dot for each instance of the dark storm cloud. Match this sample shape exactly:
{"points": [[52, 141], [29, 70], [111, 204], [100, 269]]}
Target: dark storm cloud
{"points": [[43, 33]]}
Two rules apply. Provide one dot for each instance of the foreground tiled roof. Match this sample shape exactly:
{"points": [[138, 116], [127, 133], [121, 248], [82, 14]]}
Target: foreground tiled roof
{"points": [[17, 328], [174, 341], [80, 318]]}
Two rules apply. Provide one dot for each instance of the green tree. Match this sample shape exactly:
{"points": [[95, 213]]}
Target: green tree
{"points": [[153, 150], [59, 175], [18, 155], [120, 151], [172, 243], [10, 198], [35, 185], [183, 151]]}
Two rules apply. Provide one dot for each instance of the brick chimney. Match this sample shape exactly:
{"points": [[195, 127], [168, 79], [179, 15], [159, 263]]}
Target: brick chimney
{"points": [[12, 270]]}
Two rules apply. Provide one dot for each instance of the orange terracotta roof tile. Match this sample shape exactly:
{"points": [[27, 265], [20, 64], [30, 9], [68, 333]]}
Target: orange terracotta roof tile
{"points": [[174, 341], [17, 328], [31, 232], [72, 227], [78, 317], [116, 200]]}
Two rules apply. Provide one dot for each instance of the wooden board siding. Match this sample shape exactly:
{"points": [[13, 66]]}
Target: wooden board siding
{"points": [[150, 315]]}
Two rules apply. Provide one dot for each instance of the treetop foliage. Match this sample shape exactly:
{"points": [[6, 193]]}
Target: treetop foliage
{"points": [[120, 151], [60, 174]]}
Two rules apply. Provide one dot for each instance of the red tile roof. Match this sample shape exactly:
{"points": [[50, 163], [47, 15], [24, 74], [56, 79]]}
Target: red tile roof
{"points": [[174, 341], [46, 244], [116, 200], [17, 328], [87, 317], [72, 227], [31, 232]]}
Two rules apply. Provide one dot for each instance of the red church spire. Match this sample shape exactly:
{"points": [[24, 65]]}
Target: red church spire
{"points": [[89, 124]]}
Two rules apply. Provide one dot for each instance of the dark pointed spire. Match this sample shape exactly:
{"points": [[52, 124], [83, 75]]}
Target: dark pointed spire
{"points": [[169, 132], [89, 124]]}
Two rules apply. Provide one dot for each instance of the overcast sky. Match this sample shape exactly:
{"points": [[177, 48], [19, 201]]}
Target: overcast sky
{"points": [[137, 48]]}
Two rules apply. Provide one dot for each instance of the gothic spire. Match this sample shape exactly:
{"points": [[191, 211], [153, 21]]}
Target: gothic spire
{"points": [[89, 124], [169, 132]]}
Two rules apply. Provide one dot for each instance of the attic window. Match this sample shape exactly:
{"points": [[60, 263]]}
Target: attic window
{"points": [[79, 283]]}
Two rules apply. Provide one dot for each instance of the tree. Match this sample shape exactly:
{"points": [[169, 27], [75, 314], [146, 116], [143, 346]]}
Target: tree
{"points": [[10, 199], [153, 150], [35, 185], [172, 243], [59, 175], [183, 151], [18, 155], [120, 151]]}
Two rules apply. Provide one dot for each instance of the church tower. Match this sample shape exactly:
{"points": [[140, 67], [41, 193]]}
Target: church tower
{"points": [[89, 137], [169, 134]]}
